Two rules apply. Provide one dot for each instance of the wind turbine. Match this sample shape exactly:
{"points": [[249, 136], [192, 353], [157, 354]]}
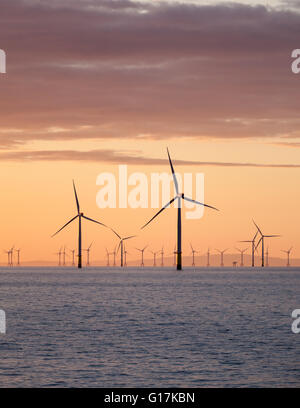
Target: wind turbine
{"points": [[107, 257], [142, 254], [59, 256], [114, 254], [79, 215], [179, 197], [253, 247], [18, 256], [288, 255], [262, 241], [241, 251], [222, 255], [193, 254], [121, 244], [64, 256], [267, 256], [125, 255], [9, 256], [208, 255], [154, 256], [88, 254], [73, 256], [162, 256]]}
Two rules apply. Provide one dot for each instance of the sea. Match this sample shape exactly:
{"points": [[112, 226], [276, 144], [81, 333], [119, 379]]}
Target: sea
{"points": [[149, 327]]}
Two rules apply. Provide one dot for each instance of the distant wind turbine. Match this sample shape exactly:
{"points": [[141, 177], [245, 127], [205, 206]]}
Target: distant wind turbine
{"points": [[154, 256], [121, 244], [73, 256], [88, 254], [267, 256], [18, 256], [179, 197], [114, 256], [79, 215], [262, 241], [222, 255], [253, 248], [64, 256], [9, 256], [193, 254], [208, 256], [59, 256], [107, 257], [242, 251], [162, 256], [125, 255], [288, 255], [142, 254]]}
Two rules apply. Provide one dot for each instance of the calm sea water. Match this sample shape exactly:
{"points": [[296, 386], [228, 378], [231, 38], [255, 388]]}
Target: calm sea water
{"points": [[149, 328]]}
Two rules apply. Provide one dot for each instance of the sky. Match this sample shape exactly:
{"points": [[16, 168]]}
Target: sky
{"points": [[97, 83]]}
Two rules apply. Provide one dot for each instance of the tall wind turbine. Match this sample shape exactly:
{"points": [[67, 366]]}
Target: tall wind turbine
{"points": [[208, 256], [242, 251], [179, 197], [121, 244], [88, 254], [79, 215], [222, 255], [288, 255], [193, 254], [253, 247], [262, 241], [142, 254]]}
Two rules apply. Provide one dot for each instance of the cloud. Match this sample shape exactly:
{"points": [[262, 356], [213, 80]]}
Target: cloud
{"points": [[162, 69], [121, 157]]}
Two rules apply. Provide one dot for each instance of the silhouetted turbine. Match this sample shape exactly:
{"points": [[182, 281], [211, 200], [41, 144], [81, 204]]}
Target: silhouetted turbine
{"points": [[179, 197]]}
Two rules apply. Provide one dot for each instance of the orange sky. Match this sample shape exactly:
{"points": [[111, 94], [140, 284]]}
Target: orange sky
{"points": [[116, 85]]}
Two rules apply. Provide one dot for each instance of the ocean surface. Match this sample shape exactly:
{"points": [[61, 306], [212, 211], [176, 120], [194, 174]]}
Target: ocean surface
{"points": [[149, 327]]}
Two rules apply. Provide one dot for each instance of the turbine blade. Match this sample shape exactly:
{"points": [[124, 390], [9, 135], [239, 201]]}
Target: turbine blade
{"points": [[90, 245], [97, 222], [64, 226], [76, 198], [198, 202], [118, 247], [131, 236], [257, 227], [258, 243], [173, 173], [271, 236], [116, 233], [163, 208]]}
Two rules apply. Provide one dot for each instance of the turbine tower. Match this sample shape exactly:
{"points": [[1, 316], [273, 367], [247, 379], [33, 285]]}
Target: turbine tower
{"points": [[73, 256], [252, 241], [242, 251], [125, 255], [267, 256], [154, 256], [59, 256], [162, 256], [208, 255], [18, 256], [179, 197], [288, 255], [9, 256], [193, 254], [88, 254], [222, 256], [79, 215], [107, 257], [114, 255], [121, 244], [142, 254], [262, 241], [64, 256]]}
